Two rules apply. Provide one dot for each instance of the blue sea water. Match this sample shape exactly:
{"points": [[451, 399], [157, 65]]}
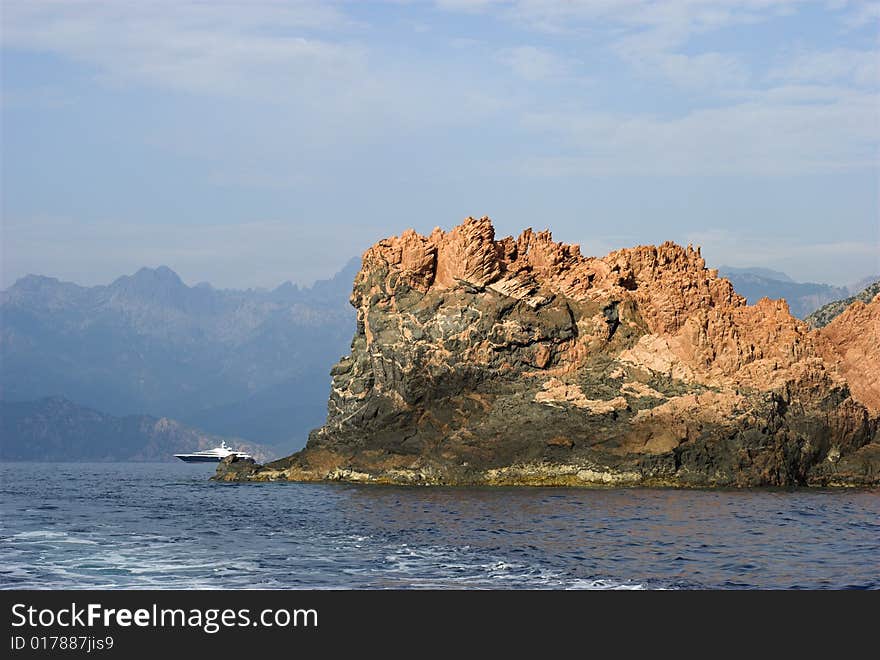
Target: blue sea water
{"points": [[133, 525]]}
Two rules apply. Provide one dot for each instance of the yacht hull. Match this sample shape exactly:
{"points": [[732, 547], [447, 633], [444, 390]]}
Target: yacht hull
{"points": [[198, 459]]}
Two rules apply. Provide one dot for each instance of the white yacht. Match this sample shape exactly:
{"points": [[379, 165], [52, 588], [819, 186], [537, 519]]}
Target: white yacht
{"points": [[214, 455]]}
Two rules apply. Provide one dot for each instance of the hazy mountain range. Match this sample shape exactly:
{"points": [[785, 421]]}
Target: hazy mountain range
{"points": [[252, 364], [803, 297], [55, 429]]}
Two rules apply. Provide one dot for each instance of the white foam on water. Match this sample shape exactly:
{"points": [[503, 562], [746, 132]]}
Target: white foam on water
{"points": [[464, 567], [38, 535], [46, 536], [604, 585]]}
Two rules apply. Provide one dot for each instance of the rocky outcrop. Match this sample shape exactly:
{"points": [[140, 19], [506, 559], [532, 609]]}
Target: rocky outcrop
{"points": [[521, 361], [851, 342]]}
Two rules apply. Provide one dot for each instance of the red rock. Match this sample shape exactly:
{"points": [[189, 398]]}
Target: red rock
{"points": [[851, 342]]}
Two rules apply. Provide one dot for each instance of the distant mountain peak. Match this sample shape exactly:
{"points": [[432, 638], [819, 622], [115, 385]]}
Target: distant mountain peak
{"points": [[766, 273], [160, 283], [32, 282], [802, 297], [158, 274], [42, 290], [286, 286]]}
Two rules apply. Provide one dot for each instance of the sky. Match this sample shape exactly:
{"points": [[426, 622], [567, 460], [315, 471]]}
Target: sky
{"points": [[250, 143]]}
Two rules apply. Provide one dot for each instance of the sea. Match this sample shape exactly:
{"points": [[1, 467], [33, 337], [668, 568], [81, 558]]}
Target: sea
{"points": [[167, 526]]}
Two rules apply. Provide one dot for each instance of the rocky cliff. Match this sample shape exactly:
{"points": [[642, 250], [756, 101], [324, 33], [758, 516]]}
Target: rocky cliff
{"points": [[851, 342], [521, 361]]}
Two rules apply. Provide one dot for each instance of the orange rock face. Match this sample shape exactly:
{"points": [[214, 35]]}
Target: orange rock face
{"points": [[851, 342]]}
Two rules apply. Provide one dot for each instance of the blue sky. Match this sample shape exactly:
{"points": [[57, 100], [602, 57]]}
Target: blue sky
{"points": [[250, 143]]}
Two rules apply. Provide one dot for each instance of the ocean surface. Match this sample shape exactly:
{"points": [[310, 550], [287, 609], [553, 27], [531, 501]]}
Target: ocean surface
{"points": [[166, 526]]}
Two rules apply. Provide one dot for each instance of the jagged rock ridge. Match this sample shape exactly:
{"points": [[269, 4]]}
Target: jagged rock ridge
{"points": [[521, 361]]}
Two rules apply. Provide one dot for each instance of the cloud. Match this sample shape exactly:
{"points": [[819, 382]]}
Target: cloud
{"points": [[473, 6], [706, 71], [307, 61], [221, 48], [763, 136], [862, 14], [666, 23], [536, 64], [652, 37], [841, 65]]}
